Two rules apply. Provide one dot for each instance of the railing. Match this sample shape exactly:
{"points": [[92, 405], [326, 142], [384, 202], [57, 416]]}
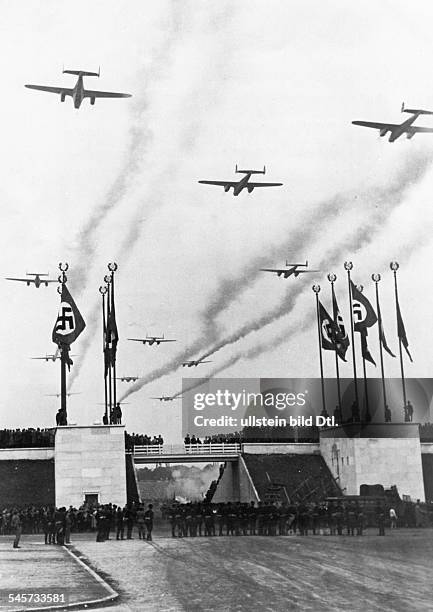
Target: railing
{"points": [[187, 449]]}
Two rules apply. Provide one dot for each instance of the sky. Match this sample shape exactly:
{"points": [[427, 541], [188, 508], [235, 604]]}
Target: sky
{"points": [[273, 83]]}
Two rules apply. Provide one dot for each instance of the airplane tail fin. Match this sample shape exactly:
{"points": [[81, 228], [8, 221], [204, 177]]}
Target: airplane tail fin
{"points": [[250, 171], [83, 72], [415, 111], [36, 273]]}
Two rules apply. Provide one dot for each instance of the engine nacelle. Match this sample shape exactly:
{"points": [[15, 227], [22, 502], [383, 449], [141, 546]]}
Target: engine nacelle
{"points": [[383, 132], [226, 188], [62, 97], [410, 135], [250, 189], [92, 101], [46, 284]]}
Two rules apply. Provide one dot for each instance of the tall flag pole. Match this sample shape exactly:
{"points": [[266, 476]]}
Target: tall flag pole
{"points": [[103, 291], [107, 279], [382, 345], [401, 332], [114, 336], [341, 340], [68, 326], [348, 266], [316, 289]]}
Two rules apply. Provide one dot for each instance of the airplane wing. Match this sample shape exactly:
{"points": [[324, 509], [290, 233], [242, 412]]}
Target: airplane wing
{"points": [[23, 280], [277, 271], [306, 271], [165, 340], [377, 126], [104, 94], [220, 183], [138, 339], [263, 185], [57, 90]]}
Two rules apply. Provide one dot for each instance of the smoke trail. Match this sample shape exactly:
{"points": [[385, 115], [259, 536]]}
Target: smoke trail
{"points": [[385, 199], [361, 236], [188, 138], [140, 137], [229, 289]]}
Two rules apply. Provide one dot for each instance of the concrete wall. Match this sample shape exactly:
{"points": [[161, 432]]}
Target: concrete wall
{"points": [[90, 460], [31, 454], [362, 458], [228, 486], [262, 448]]}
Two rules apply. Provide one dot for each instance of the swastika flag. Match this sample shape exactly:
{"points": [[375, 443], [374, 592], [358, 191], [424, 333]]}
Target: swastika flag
{"points": [[69, 323]]}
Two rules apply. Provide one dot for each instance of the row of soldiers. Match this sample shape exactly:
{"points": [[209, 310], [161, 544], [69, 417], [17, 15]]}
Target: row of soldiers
{"points": [[197, 519]]}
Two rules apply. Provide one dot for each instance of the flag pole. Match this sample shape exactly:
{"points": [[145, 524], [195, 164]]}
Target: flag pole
{"points": [[107, 279], [63, 353], [394, 267], [376, 278], [332, 278], [113, 267], [103, 291], [316, 289], [348, 266]]}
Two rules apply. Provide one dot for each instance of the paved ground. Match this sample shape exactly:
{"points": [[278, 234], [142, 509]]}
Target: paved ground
{"points": [[316, 573], [41, 570]]}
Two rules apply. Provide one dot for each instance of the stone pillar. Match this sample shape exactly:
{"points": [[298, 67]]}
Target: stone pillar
{"points": [[375, 453], [90, 460]]}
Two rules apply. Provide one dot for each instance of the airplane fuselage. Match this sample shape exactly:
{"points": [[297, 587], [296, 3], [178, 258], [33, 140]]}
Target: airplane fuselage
{"points": [[401, 129], [78, 92], [242, 184]]}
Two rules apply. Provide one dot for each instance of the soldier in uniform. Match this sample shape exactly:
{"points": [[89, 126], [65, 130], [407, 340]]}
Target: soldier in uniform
{"points": [[380, 516], [140, 522], [120, 528], [252, 517], [16, 525], [219, 517], [148, 519], [359, 520], [209, 525]]}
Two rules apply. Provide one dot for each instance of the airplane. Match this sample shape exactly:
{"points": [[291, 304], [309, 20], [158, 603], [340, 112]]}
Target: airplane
{"points": [[398, 129], [290, 269], [243, 182], [52, 357], [68, 394], [151, 340], [128, 378], [37, 280], [194, 362], [165, 398], [78, 93]]}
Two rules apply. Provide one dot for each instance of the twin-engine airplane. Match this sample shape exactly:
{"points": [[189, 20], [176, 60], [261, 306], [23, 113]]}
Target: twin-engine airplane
{"points": [[52, 357], [194, 363], [166, 398], [291, 269], [398, 129], [78, 93], [37, 280], [243, 183], [151, 340], [128, 378]]}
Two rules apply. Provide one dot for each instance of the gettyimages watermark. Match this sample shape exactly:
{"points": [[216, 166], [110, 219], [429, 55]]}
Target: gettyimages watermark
{"points": [[266, 406]]}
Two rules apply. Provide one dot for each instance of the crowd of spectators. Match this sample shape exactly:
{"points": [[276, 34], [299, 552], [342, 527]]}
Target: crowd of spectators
{"points": [[26, 438], [135, 439]]}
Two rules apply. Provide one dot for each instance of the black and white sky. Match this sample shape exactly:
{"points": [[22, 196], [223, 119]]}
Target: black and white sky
{"points": [[213, 84]]}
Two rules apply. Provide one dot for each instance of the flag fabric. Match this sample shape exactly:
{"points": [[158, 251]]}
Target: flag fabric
{"points": [[341, 337], [382, 333], [364, 347], [401, 330], [69, 323], [329, 330], [363, 312], [112, 334]]}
